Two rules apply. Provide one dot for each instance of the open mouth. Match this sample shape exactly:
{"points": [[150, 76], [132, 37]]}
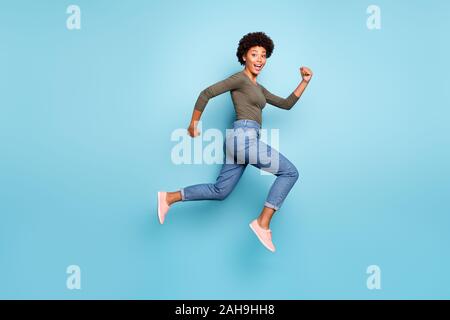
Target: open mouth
{"points": [[258, 66]]}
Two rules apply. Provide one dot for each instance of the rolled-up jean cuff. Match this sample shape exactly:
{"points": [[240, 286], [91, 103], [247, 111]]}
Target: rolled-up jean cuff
{"points": [[182, 194], [269, 205]]}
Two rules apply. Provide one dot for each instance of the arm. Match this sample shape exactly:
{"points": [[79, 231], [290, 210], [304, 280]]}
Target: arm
{"points": [[280, 102], [232, 82], [290, 101]]}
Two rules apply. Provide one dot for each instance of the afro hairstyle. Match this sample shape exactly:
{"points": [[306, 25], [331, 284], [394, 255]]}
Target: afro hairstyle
{"points": [[253, 39]]}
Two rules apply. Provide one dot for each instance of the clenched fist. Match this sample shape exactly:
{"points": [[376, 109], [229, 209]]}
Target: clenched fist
{"points": [[306, 73], [193, 131]]}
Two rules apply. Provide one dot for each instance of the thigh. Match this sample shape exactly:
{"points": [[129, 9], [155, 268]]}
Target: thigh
{"points": [[271, 160], [229, 175], [241, 145], [231, 171]]}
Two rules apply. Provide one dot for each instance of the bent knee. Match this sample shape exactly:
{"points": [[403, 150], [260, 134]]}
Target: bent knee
{"points": [[221, 194], [293, 172]]}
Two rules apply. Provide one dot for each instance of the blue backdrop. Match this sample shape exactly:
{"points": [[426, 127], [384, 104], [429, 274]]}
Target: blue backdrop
{"points": [[85, 124]]}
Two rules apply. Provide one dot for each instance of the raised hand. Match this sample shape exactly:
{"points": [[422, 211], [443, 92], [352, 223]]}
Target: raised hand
{"points": [[306, 73]]}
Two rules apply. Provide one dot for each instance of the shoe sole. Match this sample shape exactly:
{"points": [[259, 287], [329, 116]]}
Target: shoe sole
{"points": [[159, 209], [262, 241]]}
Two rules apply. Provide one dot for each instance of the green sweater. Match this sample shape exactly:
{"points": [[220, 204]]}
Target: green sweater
{"points": [[248, 98]]}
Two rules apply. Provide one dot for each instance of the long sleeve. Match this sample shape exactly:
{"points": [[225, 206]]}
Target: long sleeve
{"points": [[232, 82], [279, 102]]}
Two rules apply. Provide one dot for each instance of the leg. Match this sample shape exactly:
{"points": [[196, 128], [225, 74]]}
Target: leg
{"points": [[229, 176], [270, 160], [173, 197], [226, 181], [265, 217]]}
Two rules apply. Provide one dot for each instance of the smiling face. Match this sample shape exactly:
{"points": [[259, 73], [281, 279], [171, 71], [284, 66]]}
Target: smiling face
{"points": [[255, 59]]}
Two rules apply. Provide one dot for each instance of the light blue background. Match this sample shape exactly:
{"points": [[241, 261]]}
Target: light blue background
{"points": [[85, 124]]}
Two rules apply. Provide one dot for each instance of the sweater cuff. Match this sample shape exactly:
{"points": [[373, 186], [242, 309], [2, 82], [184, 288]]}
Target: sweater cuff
{"points": [[201, 103], [293, 96]]}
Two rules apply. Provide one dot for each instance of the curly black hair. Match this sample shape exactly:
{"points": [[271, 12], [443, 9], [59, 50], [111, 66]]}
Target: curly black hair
{"points": [[253, 39]]}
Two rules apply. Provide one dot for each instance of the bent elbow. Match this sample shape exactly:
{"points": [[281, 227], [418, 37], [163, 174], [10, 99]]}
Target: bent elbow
{"points": [[287, 106]]}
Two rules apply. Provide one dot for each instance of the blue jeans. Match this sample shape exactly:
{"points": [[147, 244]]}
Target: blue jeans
{"points": [[242, 146]]}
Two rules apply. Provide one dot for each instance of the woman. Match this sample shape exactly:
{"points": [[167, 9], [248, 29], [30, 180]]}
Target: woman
{"points": [[249, 98]]}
